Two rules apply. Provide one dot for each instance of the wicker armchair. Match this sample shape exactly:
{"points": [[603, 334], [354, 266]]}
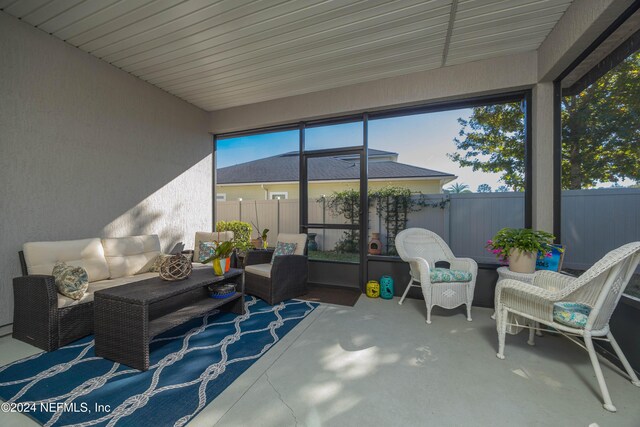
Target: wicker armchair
{"points": [[600, 287], [422, 249], [38, 320], [286, 278]]}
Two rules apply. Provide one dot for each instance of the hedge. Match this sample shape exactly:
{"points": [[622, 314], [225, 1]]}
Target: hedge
{"points": [[241, 232]]}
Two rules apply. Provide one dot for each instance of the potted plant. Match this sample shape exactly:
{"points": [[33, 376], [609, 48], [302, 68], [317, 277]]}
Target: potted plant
{"points": [[220, 258], [261, 241], [263, 238], [520, 247]]}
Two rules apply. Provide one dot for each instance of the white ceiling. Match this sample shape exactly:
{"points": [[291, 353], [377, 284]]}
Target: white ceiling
{"points": [[224, 53]]}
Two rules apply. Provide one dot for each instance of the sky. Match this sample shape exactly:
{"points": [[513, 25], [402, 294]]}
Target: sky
{"points": [[420, 140]]}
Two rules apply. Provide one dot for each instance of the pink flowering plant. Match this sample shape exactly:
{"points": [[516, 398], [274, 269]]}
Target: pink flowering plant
{"points": [[525, 239]]}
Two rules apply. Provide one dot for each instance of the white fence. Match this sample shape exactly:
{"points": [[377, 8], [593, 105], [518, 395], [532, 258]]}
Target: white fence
{"points": [[593, 221]]}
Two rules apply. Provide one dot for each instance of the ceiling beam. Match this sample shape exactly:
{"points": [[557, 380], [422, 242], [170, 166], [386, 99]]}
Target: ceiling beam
{"points": [[452, 20]]}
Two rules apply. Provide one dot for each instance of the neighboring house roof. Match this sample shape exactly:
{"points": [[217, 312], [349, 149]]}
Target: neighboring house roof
{"points": [[284, 168]]}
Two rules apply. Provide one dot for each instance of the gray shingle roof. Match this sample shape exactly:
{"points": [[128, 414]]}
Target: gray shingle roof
{"points": [[284, 168]]}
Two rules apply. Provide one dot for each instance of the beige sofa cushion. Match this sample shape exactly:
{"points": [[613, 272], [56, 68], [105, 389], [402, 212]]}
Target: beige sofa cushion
{"points": [[64, 301], [127, 256], [299, 239], [205, 236], [40, 257], [263, 270]]}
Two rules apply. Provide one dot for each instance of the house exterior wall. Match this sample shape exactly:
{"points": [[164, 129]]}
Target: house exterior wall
{"points": [[89, 151], [316, 190]]}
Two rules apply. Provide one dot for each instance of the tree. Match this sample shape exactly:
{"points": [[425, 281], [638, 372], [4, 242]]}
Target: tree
{"points": [[458, 188], [502, 189], [492, 141], [484, 188], [600, 134]]}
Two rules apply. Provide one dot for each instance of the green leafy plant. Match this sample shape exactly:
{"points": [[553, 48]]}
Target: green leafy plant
{"points": [[393, 205], [525, 239], [241, 233], [223, 250], [347, 204]]}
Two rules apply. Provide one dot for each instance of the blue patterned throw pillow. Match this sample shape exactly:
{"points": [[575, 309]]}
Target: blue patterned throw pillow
{"points": [[445, 275], [284, 249], [71, 281], [207, 250], [573, 314]]}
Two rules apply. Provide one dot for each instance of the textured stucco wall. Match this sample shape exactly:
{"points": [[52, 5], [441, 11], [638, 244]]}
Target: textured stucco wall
{"points": [[88, 150], [457, 81]]}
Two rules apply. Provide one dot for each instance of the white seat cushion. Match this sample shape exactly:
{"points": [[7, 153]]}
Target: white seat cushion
{"points": [[198, 265], [263, 270], [40, 257], [64, 301], [299, 239], [205, 236], [128, 256]]}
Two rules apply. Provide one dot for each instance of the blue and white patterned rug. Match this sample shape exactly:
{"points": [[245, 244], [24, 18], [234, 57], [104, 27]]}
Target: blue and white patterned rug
{"points": [[190, 365]]}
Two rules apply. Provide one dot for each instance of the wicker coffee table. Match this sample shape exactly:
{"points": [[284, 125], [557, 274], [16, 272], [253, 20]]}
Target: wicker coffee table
{"points": [[127, 317]]}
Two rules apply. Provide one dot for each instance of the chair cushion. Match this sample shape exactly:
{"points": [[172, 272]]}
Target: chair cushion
{"points": [[64, 301], [573, 314], [299, 239], [41, 257], [128, 256], [206, 236], [445, 275], [70, 281], [283, 248], [206, 250], [263, 270]]}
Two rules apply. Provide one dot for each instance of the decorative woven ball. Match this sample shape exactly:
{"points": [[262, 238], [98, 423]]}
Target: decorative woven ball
{"points": [[176, 267]]}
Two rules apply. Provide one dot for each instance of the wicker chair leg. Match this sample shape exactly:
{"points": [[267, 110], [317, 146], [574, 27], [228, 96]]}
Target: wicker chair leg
{"points": [[608, 404], [469, 311], [426, 292], [502, 330], [623, 359], [406, 291], [532, 333]]}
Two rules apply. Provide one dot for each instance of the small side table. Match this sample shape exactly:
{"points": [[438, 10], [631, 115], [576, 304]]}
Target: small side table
{"points": [[505, 273]]}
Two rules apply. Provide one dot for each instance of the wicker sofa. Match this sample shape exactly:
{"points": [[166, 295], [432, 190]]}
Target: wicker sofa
{"points": [[48, 320], [284, 279]]}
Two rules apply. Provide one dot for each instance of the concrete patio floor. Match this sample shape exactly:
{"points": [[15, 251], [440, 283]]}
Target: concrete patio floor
{"points": [[379, 364]]}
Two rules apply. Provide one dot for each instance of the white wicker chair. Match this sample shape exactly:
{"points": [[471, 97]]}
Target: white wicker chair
{"points": [[599, 287], [422, 249]]}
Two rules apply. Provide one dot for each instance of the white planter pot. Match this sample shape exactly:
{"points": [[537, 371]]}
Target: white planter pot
{"points": [[522, 262]]}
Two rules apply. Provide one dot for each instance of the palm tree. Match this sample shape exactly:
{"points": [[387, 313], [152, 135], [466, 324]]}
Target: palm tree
{"points": [[458, 188]]}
